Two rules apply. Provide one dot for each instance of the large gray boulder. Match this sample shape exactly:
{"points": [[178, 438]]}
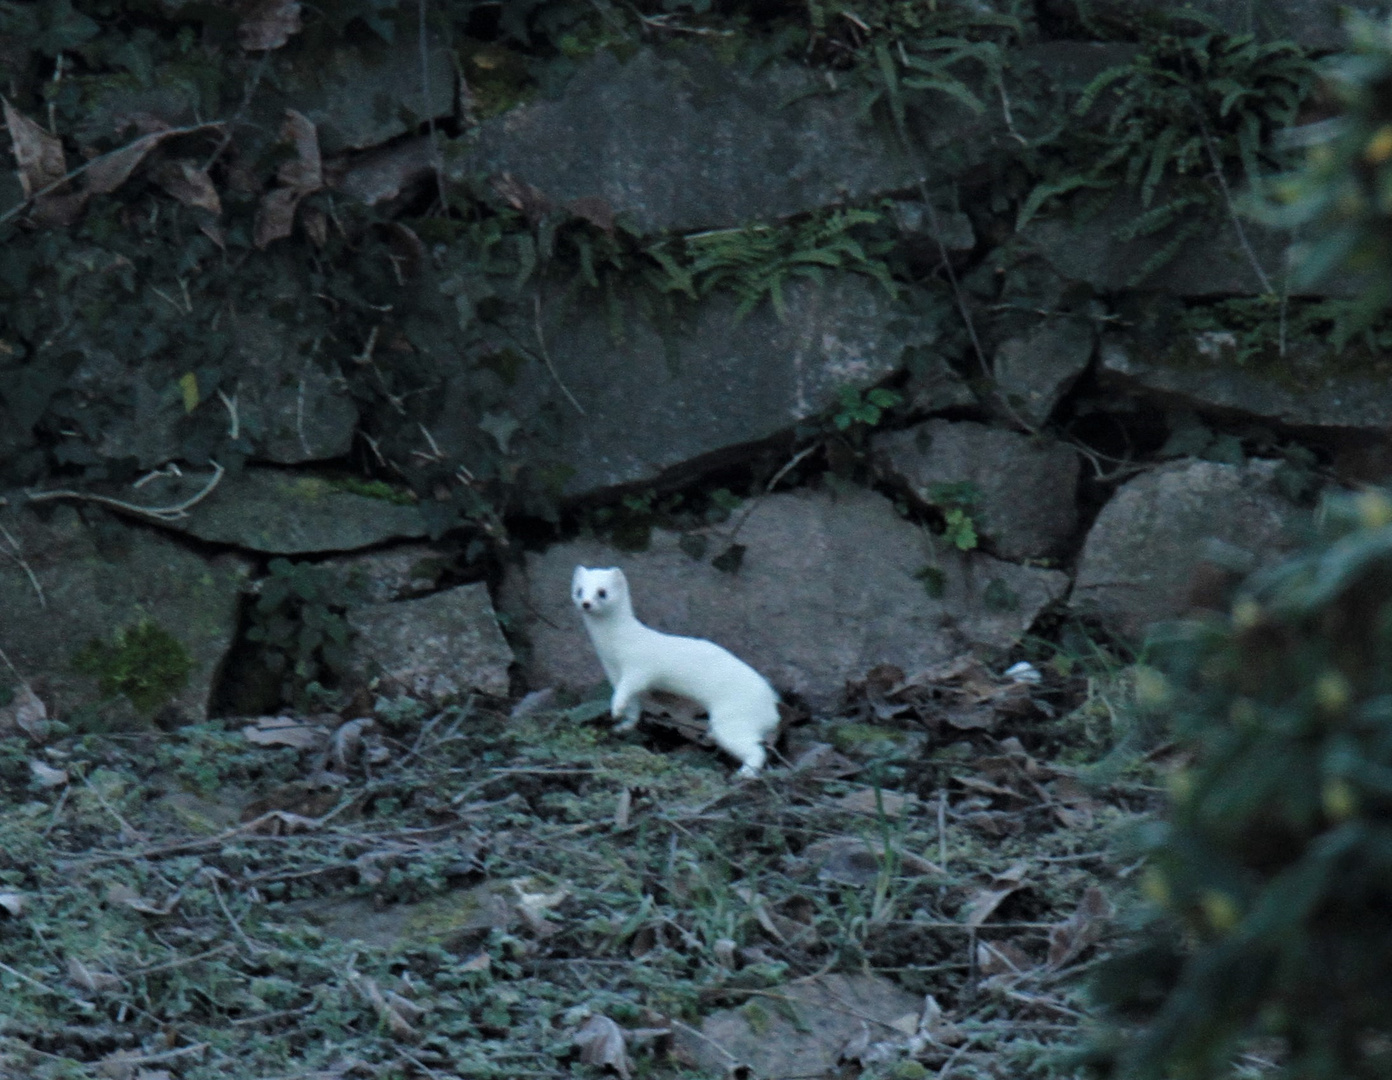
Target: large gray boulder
{"points": [[1026, 487], [830, 586], [680, 140], [688, 396], [1036, 368], [436, 648], [1203, 370], [163, 616], [285, 513], [1138, 563], [1212, 263]]}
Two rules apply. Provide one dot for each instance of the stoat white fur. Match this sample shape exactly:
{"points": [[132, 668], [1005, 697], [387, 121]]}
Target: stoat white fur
{"points": [[742, 705]]}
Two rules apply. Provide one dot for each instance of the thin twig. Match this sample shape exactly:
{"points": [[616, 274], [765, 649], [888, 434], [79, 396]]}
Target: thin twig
{"points": [[130, 831], [252, 948], [960, 298], [184, 961], [942, 829], [159, 513], [247, 95], [662, 22], [546, 355], [1231, 207], [57, 811], [792, 464], [234, 421], [34, 982], [18, 556], [1009, 116]]}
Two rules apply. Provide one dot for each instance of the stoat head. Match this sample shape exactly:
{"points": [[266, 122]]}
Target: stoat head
{"points": [[599, 592]]}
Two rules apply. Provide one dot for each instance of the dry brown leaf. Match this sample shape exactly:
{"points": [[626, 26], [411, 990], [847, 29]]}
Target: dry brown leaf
{"points": [[128, 897], [845, 859], [980, 907], [300, 176], [26, 712], [387, 1011], [347, 743], [601, 1042], [275, 217], [863, 801], [305, 171], [285, 731], [316, 225], [1073, 806], [307, 799], [405, 1006], [38, 155], [522, 196], [284, 823], [187, 181], [40, 163], [971, 718], [269, 25], [593, 209], [1083, 929], [853, 1050], [537, 901], [824, 761], [1001, 958], [46, 776], [92, 981], [110, 171], [936, 1028], [975, 783]]}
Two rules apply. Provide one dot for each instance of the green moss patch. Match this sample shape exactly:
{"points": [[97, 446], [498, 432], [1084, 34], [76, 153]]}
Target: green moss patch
{"points": [[144, 663]]}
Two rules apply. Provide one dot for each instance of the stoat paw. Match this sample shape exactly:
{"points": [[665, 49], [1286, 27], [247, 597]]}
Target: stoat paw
{"points": [[628, 723], [747, 772]]}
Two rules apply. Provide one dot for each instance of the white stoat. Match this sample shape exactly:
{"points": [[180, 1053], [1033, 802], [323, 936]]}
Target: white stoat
{"points": [[742, 705]]}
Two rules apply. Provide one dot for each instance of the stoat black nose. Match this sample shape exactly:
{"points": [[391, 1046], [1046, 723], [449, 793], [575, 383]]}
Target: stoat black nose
{"points": [[585, 604]]}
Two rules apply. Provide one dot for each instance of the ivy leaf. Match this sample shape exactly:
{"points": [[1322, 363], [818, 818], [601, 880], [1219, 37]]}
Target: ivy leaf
{"points": [[730, 560], [999, 597], [961, 530], [934, 581], [64, 29], [502, 426], [269, 25]]}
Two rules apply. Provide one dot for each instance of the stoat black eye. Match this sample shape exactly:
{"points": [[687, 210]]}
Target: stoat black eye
{"points": [[602, 594]]}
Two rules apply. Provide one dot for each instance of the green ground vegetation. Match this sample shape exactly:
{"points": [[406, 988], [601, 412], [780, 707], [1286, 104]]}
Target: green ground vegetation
{"points": [[460, 890]]}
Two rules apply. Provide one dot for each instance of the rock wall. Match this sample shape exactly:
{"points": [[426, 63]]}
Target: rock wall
{"points": [[343, 334]]}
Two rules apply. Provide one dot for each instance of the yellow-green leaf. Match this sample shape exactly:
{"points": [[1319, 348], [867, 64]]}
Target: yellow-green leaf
{"points": [[188, 383]]}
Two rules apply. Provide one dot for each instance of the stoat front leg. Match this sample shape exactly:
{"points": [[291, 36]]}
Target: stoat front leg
{"points": [[626, 706]]}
